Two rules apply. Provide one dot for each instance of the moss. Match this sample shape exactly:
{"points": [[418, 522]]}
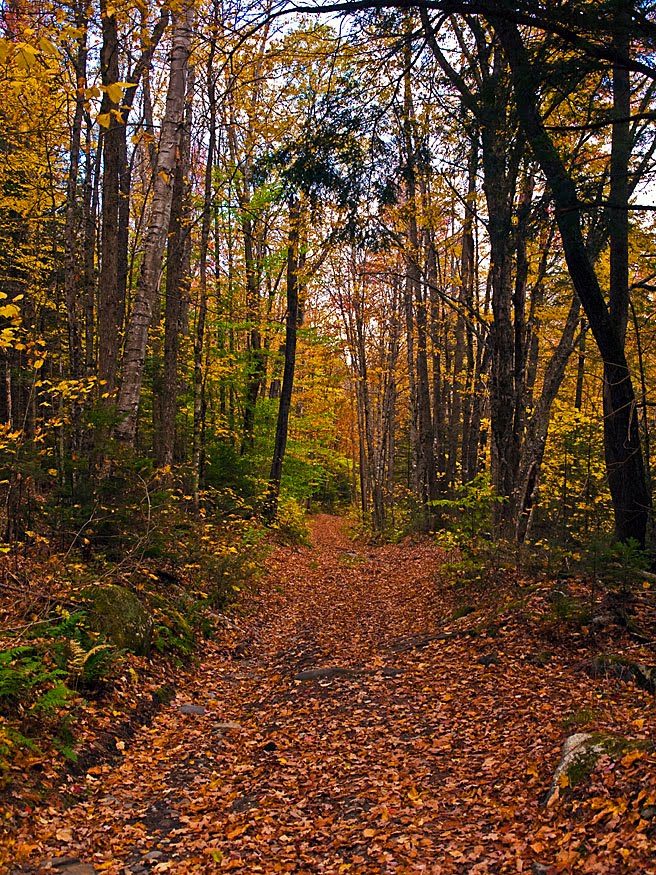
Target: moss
{"points": [[119, 615], [581, 717], [462, 611], [601, 744], [582, 766]]}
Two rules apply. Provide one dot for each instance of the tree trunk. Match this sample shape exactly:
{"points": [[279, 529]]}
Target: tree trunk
{"points": [[624, 459], [178, 268], [155, 238], [71, 216], [426, 476], [291, 326], [201, 315], [499, 185], [111, 298]]}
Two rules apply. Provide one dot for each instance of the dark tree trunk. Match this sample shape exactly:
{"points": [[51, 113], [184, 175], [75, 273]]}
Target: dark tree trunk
{"points": [[178, 268], [291, 327], [426, 478], [201, 314], [499, 188], [111, 296], [71, 284], [256, 361], [624, 459]]}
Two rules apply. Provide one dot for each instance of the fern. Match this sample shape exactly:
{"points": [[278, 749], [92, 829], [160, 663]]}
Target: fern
{"points": [[91, 666], [69, 626], [52, 701], [77, 657], [22, 670]]}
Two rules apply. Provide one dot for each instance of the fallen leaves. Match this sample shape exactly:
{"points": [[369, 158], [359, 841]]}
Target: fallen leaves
{"points": [[407, 757]]}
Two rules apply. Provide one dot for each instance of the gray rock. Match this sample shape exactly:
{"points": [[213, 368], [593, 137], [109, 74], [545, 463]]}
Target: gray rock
{"points": [[119, 615], [539, 869], [648, 812], [153, 855], [195, 710], [58, 862], [602, 621], [580, 753]]}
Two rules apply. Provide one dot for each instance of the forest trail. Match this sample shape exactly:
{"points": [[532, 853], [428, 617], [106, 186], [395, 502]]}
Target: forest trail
{"points": [[364, 731]]}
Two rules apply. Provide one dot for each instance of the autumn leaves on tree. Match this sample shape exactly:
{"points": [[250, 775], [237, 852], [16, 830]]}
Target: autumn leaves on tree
{"points": [[345, 258]]}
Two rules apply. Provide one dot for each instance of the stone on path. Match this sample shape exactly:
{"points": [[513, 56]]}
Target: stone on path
{"points": [[194, 710], [488, 659]]}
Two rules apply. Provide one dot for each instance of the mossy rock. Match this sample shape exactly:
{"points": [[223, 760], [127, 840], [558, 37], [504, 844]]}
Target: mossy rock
{"points": [[580, 755], [117, 613], [597, 745]]}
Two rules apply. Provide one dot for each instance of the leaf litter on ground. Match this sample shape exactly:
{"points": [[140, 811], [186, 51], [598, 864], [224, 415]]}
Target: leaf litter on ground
{"points": [[370, 727]]}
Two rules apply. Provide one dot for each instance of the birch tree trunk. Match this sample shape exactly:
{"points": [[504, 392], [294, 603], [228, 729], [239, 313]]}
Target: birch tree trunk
{"points": [[156, 233]]}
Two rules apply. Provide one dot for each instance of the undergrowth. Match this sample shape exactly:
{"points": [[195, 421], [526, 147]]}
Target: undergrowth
{"points": [[140, 532]]}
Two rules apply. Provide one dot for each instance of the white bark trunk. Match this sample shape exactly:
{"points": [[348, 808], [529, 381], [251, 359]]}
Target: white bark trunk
{"points": [[156, 233]]}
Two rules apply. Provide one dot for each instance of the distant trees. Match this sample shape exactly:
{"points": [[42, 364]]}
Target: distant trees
{"points": [[195, 210]]}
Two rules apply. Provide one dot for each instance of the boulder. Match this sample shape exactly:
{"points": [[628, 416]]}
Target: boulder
{"points": [[192, 710], [580, 755], [117, 613]]}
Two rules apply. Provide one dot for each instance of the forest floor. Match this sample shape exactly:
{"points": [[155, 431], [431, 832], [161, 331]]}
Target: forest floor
{"points": [[380, 720]]}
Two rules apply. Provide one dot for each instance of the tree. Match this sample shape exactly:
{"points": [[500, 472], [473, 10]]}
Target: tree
{"points": [[168, 156], [624, 460]]}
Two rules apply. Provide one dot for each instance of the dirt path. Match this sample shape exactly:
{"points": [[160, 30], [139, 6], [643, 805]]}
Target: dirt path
{"points": [[350, 738]]}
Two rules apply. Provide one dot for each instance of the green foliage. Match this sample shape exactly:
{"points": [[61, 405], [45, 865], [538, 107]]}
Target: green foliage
{"points": [[291, 522], [469, 512], [86, 660], [25, 678], [566, 610], [172, 633], [51, 702], [40, 680], [574, 503], [32, 692], [621, 563], [229, 476]]}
